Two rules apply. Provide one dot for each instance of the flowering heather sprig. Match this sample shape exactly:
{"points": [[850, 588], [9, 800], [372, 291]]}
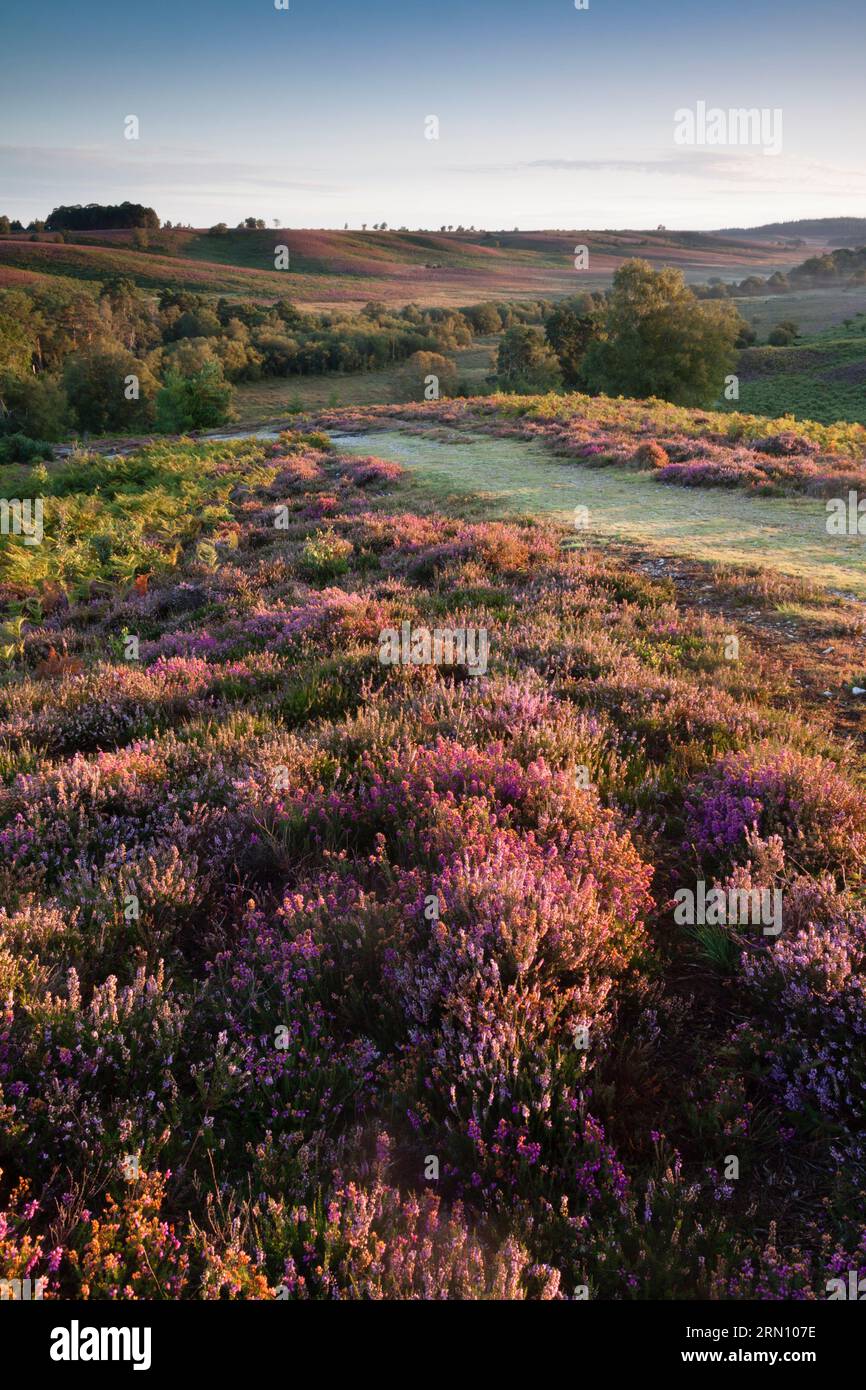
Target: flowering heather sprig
{"points": [[377, 1243], [808, 996], [131, 1252], [819, 817]]}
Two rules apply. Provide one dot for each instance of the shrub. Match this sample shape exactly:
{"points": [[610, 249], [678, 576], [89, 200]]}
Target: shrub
{"points": [[325, 555]]}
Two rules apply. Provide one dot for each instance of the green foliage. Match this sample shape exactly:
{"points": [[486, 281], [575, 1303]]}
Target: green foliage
{"points": [[819, 377], [783, 334], [37, 407], [412, 379], [19, 448], [107, 520], [325, 555], [101, 382], [526, 363], [102, 216], [658, 340], [200, 401], [570, 329], [17, 333]]}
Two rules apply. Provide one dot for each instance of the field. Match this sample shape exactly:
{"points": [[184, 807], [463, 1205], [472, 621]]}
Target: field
{"points": [[330, 269], [820, 377], [339, 969], [783, 534], [262, 401], [814, 311]]}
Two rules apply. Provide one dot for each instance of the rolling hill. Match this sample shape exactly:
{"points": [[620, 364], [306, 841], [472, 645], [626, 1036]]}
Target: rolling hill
{"points": [[330, 268]]}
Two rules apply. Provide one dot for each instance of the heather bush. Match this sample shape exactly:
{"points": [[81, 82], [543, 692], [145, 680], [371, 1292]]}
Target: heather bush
{"points": [[326, 979], [819, 817], [376, 1243], [808, 999]]}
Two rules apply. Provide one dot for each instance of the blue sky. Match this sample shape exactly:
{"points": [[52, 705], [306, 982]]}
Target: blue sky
{"points": [[548, 116]]}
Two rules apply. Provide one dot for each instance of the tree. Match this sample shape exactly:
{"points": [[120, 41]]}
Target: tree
{"points": [[37, 406], [414, 377], [99, 215], [485, 319], [526, 363], [570, 329], [110, 390], [19, 328], [659, 340], [195, 402], [783, 334]]}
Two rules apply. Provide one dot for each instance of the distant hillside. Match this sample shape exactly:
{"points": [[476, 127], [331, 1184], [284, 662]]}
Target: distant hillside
{"points": [[330, 268], [834, 231]]}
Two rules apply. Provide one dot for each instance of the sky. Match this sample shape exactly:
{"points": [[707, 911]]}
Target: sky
{"points": [[548, 116]]}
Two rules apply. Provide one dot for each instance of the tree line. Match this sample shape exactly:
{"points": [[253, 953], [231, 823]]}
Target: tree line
{"points": [[114, 359]]}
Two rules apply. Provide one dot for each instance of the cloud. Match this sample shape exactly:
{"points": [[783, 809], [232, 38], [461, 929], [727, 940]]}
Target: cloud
{"points": [[732, 166], [190, 171]]}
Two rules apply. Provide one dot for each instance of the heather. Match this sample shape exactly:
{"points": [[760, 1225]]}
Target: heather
{"points": [[683, 447], [325, 978]]}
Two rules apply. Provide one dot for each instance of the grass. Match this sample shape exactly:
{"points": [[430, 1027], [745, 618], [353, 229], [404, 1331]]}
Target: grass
{"points": [[814, 310], [260, 401], [785, 534], [820, 377]]}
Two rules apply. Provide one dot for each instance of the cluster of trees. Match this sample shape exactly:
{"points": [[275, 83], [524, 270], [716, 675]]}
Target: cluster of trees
{"points": [[8, 225], [648, 336], [76, 359], [777, 283], [114, 359], [253, 340], [100, 216], [841, 266]]}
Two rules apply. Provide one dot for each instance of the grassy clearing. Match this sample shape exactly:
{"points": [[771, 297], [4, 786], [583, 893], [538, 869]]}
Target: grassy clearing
{"points": [[257, 401], [508, 476], [814, 310]]}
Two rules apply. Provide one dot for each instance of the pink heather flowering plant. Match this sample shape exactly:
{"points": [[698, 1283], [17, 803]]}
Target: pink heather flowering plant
{"points": [[324, 979]]}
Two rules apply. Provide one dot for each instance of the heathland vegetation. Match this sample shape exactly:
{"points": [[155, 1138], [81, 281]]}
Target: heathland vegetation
{"points": [[334, 964], [330, 978]]}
